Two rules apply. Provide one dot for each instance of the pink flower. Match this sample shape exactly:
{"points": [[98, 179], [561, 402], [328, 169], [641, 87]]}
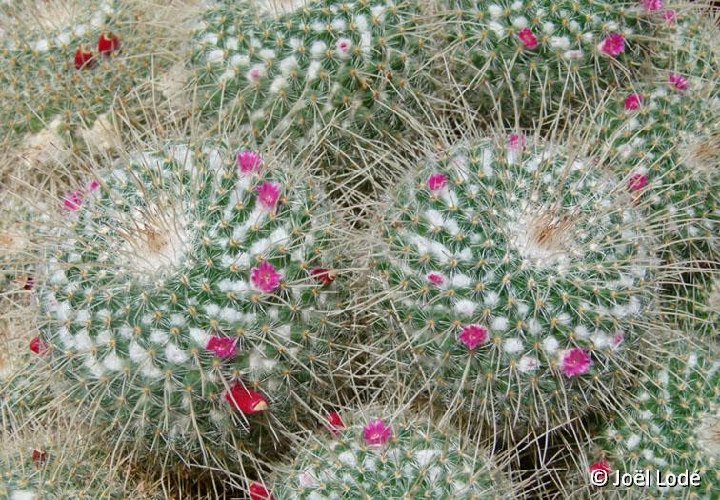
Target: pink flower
{"points": [[222, 347], [517, 142], [670, 17], [39, 346], [335, 422], [436, 182], [343, 47], [634, 102], [73, 201], [255, 73], [613, 45], [653, 5], [435, 279], [246, 401], [618, 339], [377, 433], [576, 362], [269, 194], [474, 335], [528, 38], [637, 182], [93, 185], [679, 82], [249, 162], [265, 277]]}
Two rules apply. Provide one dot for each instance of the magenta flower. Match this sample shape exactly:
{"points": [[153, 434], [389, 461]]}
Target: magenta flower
{"points": [[265, 277], [670, 17], [93, 185], [634, 102], [653, 5], [269, 194], [576, 362], [343, 47], [613, 45], [73, 201], [436, 182], [435, 279], [678, 82], [618, 339], [249, 161], [637, 182], [377, 433], [222, 347], [474, 335], [528, 38], [517, 142]]}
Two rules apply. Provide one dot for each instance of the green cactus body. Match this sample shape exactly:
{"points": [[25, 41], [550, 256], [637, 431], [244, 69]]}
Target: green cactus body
{"points": [[341, 65], [692, 49], [664, 139], [674, 426], [404, 457], [528, 56], [64, 63], [521, 277], [186, 301], [48, 466], [694, 306]]}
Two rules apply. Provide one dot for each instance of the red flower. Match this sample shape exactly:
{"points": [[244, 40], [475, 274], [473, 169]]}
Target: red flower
{"points": [[633, 102], [246, 401], [335, 422], [603, 465], [528, 38], [84, 59], [222, 347], [39, 346], [108, 43], [323, 276], [259, 492], [637, 182], [39, 457]]}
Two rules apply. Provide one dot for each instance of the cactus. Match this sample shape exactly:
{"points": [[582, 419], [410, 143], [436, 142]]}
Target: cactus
{"points": [[673, 425], [522, 280], [528, 57], [64, 64], [670, 161], [693, 306], [401, 457], [60, 463], [294, 72], [187, 300]]}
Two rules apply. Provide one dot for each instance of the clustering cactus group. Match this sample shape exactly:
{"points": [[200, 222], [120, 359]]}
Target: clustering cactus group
{"points": [[362, 248]]}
